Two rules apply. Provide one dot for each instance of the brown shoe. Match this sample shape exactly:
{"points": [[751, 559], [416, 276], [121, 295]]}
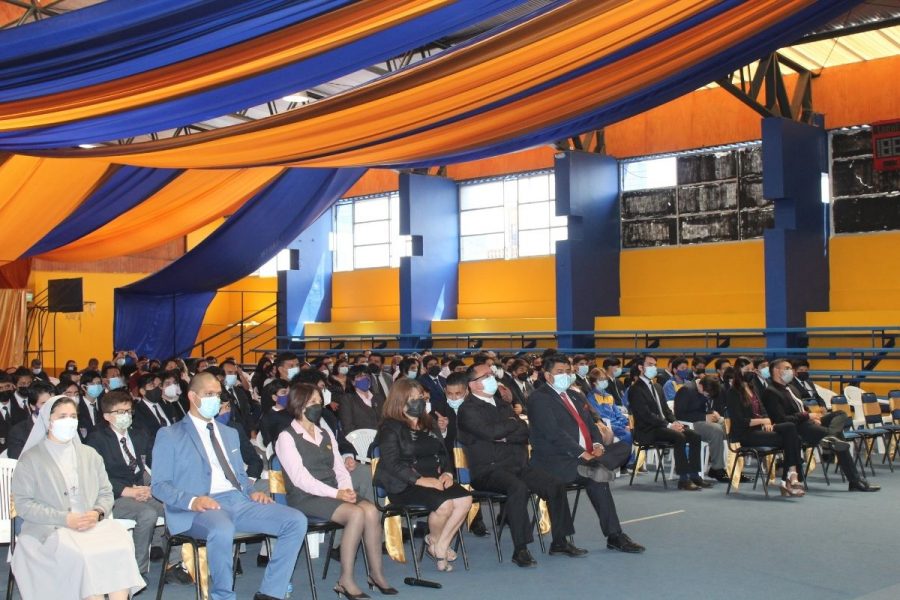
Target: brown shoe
{"points": [[689, 486]]}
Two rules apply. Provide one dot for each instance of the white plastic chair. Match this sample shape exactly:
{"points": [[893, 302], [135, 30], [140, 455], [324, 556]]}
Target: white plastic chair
{"points": [[361, 440], [704, 455], [853, 395], [7, 466]]}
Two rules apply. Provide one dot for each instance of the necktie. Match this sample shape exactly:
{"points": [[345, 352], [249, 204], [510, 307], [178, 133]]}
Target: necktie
{"points": [[220, 456], [132, 461], [5, 413], [656, 397], [582, 426], [159, 416]]}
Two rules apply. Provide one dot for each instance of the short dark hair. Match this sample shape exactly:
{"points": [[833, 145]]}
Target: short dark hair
{"points": [[271, 388], [698, 360], [677, 360], [458, 379], [38, 387], [88, 376], [711, 384], [551, 361], [310, 376], [146, 378], [774, 364], [455, 364], [283, 357], [612, 361], [480, 358], [800, 362], [107, 367], [759, 360], [721, 361], [113, 398]]}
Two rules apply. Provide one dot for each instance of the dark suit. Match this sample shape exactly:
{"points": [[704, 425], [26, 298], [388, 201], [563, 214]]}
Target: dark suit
{"points": [[242, 409], [805, 393], [760, 385], [252, 460], [14, 414], [616, 390], [147, 420], [18, 435], [556, 449], [435, 388], [85, 424], [784, 435], [273, 422], [583, 384], [355, 414], [651, 424], [496, 445], [520, 397]]}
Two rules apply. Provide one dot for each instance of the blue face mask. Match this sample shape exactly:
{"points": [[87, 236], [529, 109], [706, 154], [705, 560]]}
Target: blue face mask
{"points": [[617, 372], [94, 390], [764, 373], [230, 380], [455, 404], [412, 374], [209, 406], [601, 385], [561, 382], [282, 400], [490, 385], [292, 371], [650, 372], [363, 384], [683, 374], [583, 370], [115, 383]]}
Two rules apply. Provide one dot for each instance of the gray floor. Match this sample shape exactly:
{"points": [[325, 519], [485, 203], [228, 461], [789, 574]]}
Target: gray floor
{"points": [[831, 544]]}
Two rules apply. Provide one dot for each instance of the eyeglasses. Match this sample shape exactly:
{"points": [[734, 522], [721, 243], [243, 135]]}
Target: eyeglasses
{"points": [[416, 398], [121, 413]]}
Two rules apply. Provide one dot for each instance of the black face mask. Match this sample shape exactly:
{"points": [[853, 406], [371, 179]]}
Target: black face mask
{"points": [[522, 376], [154, 395], [803, 375], [23, 392], [415, 408], [749, 376], [374, 369], [6, 396], [313, 413], [434, 370]]}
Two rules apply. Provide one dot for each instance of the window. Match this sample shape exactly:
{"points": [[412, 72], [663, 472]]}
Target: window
{"points": [[508, 218], [279, 262], [367, 233]]}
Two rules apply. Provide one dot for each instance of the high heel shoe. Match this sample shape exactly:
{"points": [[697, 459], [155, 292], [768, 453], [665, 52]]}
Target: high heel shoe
{"points": [[341, 592], [429, 544], [387, 591], [787, 490]]}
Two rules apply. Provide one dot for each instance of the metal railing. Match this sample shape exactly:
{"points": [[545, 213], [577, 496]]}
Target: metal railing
{"points": [[242, 337]]}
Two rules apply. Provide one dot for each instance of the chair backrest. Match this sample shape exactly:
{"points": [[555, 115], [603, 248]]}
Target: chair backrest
{"points": [[380, 492], [462, 464], [7, 512], [894, 401], [853, 395], [362, 440], [276, 481], [839, 403], [871, 409]]}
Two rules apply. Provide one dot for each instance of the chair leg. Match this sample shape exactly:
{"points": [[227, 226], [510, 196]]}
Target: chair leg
{"points": [[493, 519], [162, 574], [412, 546], [328, 553], [637, 459], [197, 578], [365, 558], [731, 476], [575, 506], [660, 459], [534, 523], [764, 468], [309, 569], [11, 581], [462, 548]]}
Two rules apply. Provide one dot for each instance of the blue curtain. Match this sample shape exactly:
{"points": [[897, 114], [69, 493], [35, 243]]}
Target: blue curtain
{"points": [[161, 315], [329, 65], [123, 190]]}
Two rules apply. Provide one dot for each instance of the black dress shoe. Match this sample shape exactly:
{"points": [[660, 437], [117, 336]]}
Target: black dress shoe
{"points": [[699, 482], [719, 475], [261, 596], [568, 549], [746, 479], [478, 528], [688, 485], [623, 543], [523, 558], [261, 561], [176, 574], [156, 554], [863, 486]]}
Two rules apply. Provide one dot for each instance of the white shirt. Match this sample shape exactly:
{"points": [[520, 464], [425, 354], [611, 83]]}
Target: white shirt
{"points": [[92, 410], [565, 398], [22, 401], [155, 408], [218, 483], [127, 437]]}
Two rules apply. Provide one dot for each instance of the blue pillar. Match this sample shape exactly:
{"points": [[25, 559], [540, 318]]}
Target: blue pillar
{"points": [[796, 250], [304, 294], [587, 264], [429, 212]]}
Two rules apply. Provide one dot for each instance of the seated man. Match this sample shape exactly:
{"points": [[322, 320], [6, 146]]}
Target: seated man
{"points": [[124, 449], [201, 480], [613, 368], [694, 404], [801, 384], [496, 442], [565, 444], [654, 422], [681, 374], [783, 406]]}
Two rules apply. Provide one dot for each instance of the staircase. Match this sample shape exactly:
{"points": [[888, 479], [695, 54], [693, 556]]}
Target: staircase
{"points": [[240, 339]]}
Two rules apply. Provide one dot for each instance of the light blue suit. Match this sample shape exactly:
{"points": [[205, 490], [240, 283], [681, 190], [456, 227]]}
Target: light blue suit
{"points": [[182, 471]]}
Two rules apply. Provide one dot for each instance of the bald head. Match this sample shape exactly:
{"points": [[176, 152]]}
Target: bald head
{"points": [[203, 385], [201, 381]]}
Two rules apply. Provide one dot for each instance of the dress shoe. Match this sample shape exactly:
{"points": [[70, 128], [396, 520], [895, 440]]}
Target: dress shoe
{"points": [[523, 558], [746, 479], [261, 596], [688, 485], [261, 561], [623, 543], [176, 574], [478, 528], [719, 475], [835, 443], [700, 482], [567, 548], [863, 486], [156, 554]]}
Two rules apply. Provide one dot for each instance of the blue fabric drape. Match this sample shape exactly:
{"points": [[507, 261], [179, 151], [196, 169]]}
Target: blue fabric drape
{"points": [[123, 190], [305, 74], [161, 315], [119, 38]]}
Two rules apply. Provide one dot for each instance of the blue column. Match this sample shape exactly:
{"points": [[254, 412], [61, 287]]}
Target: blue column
{"points": [[587, 264], [796, 250], [429, 211], [304, 294]]}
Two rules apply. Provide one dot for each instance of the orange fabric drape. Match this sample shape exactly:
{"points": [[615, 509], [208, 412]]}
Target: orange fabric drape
{"points": [[36, 194], [12, 327], [379, 123], [192, 200], [289, 45]]}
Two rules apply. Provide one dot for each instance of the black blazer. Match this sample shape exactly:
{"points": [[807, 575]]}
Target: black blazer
{"points": [[519, 397], [554, 433], [85, 425], [494, 437], [243, 409], [615, 389], [720, 402], [583, 384], [273, 422], [644, 409], [740, 414], [780, 406], [146, 419], [106, 442], [355, 414], [804, 394], [440, 406], [690, 404], [396, 468], [18, 435], [252, 460], [435, 389], [759, 387], [331, 419], [16, 415]]}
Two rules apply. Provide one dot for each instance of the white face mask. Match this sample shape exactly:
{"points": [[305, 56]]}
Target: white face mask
{"points": [[172, 390], [64, 429]]}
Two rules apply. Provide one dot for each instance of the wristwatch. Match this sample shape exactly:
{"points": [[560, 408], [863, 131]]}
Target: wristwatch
{"points": [[101, 513]]}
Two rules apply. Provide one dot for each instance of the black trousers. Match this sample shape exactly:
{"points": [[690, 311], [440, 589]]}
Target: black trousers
{"points": [[688, 440], [604, 505], [518, 488], [784, 436], [812, 434]]}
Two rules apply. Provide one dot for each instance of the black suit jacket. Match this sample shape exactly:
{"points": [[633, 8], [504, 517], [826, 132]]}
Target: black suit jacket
{"points": [[354, 413], [740, 414], [780, 406], [615, 389], [331, 419], [85, 424], [645, 410], [518, 397], [242, 409], [396, 468], [16, 415], [18, 435], [106, 442], [804, 394], [435, 389], [441, 407], [759, 387], [690, 404], [583, 384], [146, 419], [252, 460], [554, 433], [494, 437]]}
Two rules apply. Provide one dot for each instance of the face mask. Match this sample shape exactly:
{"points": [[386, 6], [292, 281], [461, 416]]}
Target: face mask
{"points": [[683, 373], [490, 385], [326, 396], [374, 369], [22, 391], [444, 372], [172, 390], [209, 406], [94, 390], [601, 385], [412, 374], [230, 380], [36, 371], [522, 376], [617, 372], [787, 376], [561, 382], [6, 396], [223, 418], [414, 408], [154, 395], [123, 422], [343, 370], [749, 376], [120, 362], [313, 412], [292, 372], [324, 372], [70, 368], [583, 370], [764, 373], [650, 372], [498, 372], [434, 370], [363, 384], [455, 404], [803, 375], [64, 429], [115, 383]]}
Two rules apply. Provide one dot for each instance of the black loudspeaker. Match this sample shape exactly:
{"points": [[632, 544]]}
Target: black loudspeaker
{"points": [[65, 295], [295, 259]]}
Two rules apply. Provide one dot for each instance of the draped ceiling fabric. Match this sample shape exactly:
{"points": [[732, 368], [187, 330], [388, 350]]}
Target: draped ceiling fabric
{"points": [[176, 80], [12, 327], [161, 314], [582, 65]]}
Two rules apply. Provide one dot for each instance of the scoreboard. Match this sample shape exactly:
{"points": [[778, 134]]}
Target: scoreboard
{"points": [[886, 145]]}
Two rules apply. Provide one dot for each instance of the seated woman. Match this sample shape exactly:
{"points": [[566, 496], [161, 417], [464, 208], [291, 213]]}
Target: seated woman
{"points": [[67, 549], [751, 426], [276, 418], [338, 382], [414, 468], [360, 408], [319, 485], [604, 405]]}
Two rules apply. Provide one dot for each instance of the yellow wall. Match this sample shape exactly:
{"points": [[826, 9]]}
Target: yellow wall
{"points": [[523, 288], [366, 295], [865, 272]]}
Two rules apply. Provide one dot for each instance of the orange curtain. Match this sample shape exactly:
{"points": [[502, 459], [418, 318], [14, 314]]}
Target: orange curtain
{"points": [[289, 45], [12, 328], [394, 120], [36, 194], [192, 200]]}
